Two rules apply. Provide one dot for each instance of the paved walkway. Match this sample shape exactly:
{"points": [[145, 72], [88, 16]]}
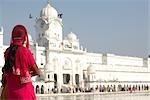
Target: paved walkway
{"points": [[95, 93]]}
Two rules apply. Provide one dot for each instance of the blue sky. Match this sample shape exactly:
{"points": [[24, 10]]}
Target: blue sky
{"points": [[104, 26]]}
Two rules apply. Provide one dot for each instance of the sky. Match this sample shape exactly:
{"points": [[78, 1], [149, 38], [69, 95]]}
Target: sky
{"points": [[103, 26]]}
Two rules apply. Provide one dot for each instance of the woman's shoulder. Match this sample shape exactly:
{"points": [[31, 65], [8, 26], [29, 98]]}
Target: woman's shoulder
{"points": [[23, 49]]}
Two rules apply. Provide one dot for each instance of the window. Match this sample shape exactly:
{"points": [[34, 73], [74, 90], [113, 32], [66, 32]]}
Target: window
{"points": [[48, 76], [67, 46], [75, 47], [53, 44]]}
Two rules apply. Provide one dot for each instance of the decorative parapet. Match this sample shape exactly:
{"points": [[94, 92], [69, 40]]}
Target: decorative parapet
{"points": [[113, 59]]}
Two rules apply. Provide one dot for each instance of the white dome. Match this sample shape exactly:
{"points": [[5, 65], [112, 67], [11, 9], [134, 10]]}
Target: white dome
{"points": [[71, 36], [48, 12], [91, 69]]}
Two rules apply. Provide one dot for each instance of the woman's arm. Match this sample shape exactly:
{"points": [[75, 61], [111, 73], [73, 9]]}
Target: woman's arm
{"points": [[3, 93], [35, 70]]}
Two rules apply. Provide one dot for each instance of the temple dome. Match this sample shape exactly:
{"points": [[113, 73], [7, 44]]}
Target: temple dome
{"points": [[91, 69], [72, 37], [48, 12]]}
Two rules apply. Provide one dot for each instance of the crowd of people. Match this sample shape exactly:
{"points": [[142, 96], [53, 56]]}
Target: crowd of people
{"points": [[100, 88]]}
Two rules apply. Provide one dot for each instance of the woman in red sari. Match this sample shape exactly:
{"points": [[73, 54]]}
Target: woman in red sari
{"points": [[19, 67]]}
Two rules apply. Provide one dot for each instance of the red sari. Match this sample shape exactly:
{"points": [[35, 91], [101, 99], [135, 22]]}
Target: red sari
{"points": [[16, 78], [18, 82]]}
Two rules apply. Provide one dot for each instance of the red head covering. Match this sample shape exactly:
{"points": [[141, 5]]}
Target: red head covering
{"points": [[19, 36]]}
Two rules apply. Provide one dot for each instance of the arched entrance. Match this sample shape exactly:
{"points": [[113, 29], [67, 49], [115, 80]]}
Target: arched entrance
{"points": [[42, 89], [77, 79], [37, 89], [66, 78], [55, 80]]}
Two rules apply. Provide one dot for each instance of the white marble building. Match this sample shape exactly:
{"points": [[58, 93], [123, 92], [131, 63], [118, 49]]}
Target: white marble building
{"points": [[65, 62]]}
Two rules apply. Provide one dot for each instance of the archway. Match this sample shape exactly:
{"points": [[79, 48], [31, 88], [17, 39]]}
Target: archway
{"points": [[37, 89], [66, 78], [42, 89], [77, 79], [55, 80]]}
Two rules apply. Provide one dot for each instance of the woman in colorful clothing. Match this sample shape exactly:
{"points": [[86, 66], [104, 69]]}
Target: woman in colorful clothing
{"points": [[19, 67]]}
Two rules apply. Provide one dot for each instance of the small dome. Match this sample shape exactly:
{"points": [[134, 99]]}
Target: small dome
{"points": [[48, 12], [71, 36], [91, 69]]}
